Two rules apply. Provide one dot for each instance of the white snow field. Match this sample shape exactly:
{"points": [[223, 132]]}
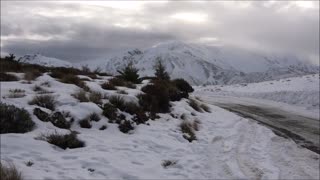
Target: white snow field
{"points": [[300, 91], [227, 146]]}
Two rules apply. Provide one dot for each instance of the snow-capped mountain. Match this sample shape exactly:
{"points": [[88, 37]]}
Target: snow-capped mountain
{"points": [[44, 61], [198, 64], [201, 64]]}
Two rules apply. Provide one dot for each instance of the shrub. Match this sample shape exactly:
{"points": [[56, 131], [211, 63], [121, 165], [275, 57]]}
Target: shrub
{"points": [[85, 123], [109, 111], [32, 74], [9, 172], [16, 93], [94, 117], [40, 90], [188, 131], [46, 101], [103, 127], [183, 85], [167, 163], [161, 70], [121, 82], [64, 141], [7, 77], [14, 120], [108, 86], [130, 73], [125, 126], [205, 108], [41, 115], [95, 97], [81, 96], [156, 98], [73, 79], [58, 120], [140, 117], [129, 107], [195, 105]]}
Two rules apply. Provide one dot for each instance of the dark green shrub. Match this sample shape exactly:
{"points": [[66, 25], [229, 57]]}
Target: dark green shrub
{"points": [[103, 127], [130, 73], [94, 117], [125, 126], [9, 172], [161, 73], [108, 86], [46, 101], [183, 85], [14, 120], [7, 77], [64, 141], [58, 120], [156, 98], [109, 111], [41, 115], [85, 123]]}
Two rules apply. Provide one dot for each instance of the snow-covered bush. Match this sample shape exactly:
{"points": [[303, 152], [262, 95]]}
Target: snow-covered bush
{"points": [[195, 105], [108, 86], [103, 127], [32, 74], [16, 93], [46, 101], [125, 126], [188, 131], [183, 85], [9, 172], [73, 79], [85, 123], [14, 120], [127, 106], [64, 141], [95, 97], [168, 163], [94, 117], [109, 111], [81, 96]]}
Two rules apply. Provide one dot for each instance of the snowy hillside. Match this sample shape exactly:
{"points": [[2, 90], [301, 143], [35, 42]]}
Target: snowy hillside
{"points": [[44, 61], [155, 150], [201, 64], [301, 91]]}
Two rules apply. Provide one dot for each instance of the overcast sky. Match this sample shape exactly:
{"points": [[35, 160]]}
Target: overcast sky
{"points": [[80, 30]]}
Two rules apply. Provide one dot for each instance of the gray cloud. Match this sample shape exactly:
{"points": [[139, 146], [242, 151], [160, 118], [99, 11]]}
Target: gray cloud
{"points": [[76, 31]]}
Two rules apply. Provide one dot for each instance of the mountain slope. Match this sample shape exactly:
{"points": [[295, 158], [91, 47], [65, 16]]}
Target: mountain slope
{"points": [[44, 61], [200, 64]]}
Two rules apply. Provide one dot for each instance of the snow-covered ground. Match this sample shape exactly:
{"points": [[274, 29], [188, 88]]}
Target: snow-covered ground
{"points": [[227, 146], [298, 91]]}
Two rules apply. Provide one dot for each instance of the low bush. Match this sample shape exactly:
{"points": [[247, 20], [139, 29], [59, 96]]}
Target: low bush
{"points": [[168, 163], [9, 172], [16, 93], [122, 92], [85, 123], [41, 115], [14, 120], [74, 79], [195, 105], [121, 82], [64, 141], [8, 77], [103, 127], [127, 106], [183, 85], [81, 95], [58, 120], [205, 108], [125, 126], [108, 86], [94, 117], [110, 111], [130, 73], [95, 97], [32, 74], [188, 131], [46, 101]]}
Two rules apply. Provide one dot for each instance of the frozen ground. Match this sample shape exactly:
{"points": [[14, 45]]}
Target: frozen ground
{"points": [[228, 146]]}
